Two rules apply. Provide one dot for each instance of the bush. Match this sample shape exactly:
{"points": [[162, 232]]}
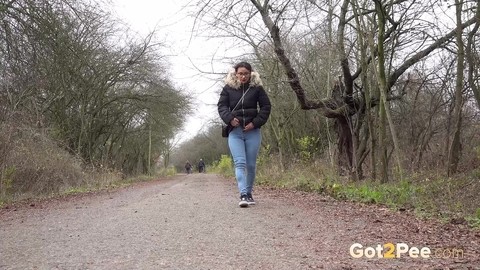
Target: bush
{"points": [[170, 171], [34, 165], [224, 166]]}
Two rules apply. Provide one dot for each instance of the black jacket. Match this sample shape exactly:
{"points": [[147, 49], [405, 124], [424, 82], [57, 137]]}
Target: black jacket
{"points": [[254, 108]]}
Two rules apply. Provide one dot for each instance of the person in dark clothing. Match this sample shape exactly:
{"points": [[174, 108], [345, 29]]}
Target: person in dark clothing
{"points": [[245, 106], [201, 166], [188, 167]]}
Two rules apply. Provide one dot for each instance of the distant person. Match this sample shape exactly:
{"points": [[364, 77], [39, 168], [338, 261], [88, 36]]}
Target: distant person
{"points": [[201, 166], [245, 106], [188, 167]]}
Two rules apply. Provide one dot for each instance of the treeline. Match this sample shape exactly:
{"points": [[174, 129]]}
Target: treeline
{"points": [[377, 89], [71, 75]]}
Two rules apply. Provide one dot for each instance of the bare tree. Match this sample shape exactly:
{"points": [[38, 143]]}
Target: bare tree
{"points": [[101, 93], [473, 57], [454, 151], [405, 39]]}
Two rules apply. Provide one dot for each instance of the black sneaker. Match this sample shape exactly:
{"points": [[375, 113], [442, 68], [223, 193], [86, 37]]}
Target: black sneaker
{"points": [[243, 201], [250, 199]]}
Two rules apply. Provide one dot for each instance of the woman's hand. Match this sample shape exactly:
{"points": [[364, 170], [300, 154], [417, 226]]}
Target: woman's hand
{"points": [[249, 127], [234, 122]]}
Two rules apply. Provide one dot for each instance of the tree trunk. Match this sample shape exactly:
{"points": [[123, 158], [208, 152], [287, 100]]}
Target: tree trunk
{"points": [[473, 58], [455, 148], [345, 145]]}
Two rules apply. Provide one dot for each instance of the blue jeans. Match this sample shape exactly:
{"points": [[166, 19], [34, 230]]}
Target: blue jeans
{"points": [[244, 148]]}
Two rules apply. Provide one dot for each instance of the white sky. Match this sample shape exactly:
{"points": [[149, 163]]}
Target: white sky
{"points": [[186, 52]]}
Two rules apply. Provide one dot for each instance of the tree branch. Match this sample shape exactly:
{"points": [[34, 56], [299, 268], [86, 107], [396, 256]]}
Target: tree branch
{"points": [[418, 56]]}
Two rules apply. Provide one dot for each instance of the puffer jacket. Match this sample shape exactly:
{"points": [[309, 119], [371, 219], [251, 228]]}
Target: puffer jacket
{"points": [[255, 106]]}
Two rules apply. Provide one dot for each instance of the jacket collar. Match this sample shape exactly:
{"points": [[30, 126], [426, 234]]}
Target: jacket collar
{"points": [[232, 81]]}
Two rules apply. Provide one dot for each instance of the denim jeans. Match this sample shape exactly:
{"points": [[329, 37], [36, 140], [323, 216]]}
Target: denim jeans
{"points": [[244, 148]]}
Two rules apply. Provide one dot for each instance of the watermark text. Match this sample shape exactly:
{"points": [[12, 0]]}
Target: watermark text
{"points": [[399, 250]]}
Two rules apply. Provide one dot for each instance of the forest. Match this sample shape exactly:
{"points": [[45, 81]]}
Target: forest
{"points": [[371, 100]]}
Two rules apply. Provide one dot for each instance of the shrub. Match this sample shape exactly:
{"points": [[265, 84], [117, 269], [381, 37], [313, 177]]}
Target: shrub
{"points": [[224, 166], [32, 165]]}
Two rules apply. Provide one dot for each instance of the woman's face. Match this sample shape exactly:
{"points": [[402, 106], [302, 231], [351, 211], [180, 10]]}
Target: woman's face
{"points": [[243, 75]]}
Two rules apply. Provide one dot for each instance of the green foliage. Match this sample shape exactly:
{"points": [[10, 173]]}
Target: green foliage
{"points": [[363, 193], [435, 196], [305, 184], [171, 171], [395, 195], [208, 145], [224, 166], [474, 220], [264, 155], [302, 177], [6, 181], [307, 147], [6, 177], [475, 174]]}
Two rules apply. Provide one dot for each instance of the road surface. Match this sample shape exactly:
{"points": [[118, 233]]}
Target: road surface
{"points": [[194, 222]]}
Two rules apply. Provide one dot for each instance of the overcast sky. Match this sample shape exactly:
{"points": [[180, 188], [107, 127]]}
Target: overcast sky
{"points": [[186, 53]]}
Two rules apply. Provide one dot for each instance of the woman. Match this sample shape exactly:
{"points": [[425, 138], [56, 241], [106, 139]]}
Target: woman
{"points": [[245, 107]]}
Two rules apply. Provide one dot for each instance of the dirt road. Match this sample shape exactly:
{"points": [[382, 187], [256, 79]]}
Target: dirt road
{"points": [[193, 222]]}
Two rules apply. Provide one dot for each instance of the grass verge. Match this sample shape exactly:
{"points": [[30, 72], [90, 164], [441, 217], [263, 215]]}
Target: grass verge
{"points": [[433, 196]]}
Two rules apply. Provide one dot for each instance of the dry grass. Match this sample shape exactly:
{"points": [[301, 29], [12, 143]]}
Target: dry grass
{"points": [[32, 165], [429, 194]]}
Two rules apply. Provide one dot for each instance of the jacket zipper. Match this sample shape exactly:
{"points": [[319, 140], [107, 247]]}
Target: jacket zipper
{"points": [[243, 110]]}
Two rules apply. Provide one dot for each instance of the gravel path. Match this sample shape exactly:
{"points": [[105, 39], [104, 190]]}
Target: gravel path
{"points": [[193, 222]]}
